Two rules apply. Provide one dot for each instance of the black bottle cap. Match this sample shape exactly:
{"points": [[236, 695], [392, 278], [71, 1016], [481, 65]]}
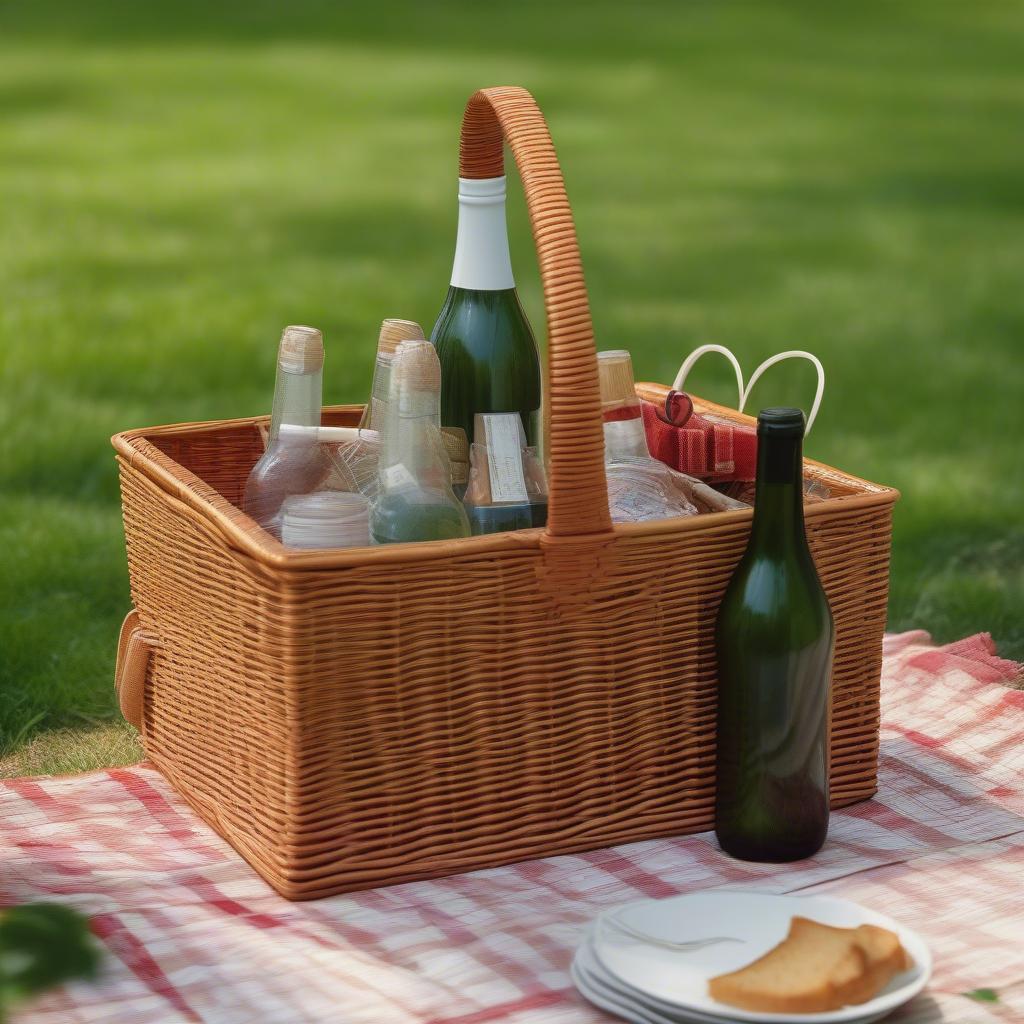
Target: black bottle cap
{"points": [[780, 422]]}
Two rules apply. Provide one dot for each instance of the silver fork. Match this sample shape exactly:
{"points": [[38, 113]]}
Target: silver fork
{"points": [[677, 947]]}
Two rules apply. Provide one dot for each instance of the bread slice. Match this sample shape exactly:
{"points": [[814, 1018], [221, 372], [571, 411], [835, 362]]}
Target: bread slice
{"points": [[814, 969], [886, 958], [883, 947]]}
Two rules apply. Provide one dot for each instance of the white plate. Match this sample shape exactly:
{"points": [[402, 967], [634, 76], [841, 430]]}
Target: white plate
{"points": [[612, 1002], [590, 979], [674, 981]]}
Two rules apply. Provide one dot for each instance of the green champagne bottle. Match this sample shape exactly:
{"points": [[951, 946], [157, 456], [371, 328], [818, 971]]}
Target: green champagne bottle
{"points": [[774, 640], [489, 360]]}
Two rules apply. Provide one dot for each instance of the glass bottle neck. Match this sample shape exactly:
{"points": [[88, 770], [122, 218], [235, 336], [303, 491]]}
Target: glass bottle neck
{"points": [[482, 261], [298, 399], [413, 452], [779, 500]]}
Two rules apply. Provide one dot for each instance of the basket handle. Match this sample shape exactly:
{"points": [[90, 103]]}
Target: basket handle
{"points": [[578, 494], [133, 653]]}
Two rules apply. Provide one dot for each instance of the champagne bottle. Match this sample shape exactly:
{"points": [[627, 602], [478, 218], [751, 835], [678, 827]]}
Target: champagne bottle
{"points": [[415, 500], [774, 640], [489, 360], [392, 334], [293, 462]]}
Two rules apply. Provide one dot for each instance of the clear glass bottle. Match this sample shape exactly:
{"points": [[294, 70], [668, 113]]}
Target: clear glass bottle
{"points": [[624, 434], [415, 500], [489, 360], [640, 488], [293, 462]]}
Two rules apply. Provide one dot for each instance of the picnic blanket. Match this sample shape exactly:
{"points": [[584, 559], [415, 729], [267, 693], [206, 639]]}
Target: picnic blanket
{"points": [[192, 934]]}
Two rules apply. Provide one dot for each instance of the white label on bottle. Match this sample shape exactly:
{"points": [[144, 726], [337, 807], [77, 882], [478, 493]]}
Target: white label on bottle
{"points": [[505, 456]]}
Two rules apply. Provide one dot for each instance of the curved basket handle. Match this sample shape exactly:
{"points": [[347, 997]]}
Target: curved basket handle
{"points": [[578, 494], [133, 653], [782, 357]]}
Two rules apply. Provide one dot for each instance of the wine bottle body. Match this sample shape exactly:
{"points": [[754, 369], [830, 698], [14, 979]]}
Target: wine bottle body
{"points": [[775, 642], [489, 360]]}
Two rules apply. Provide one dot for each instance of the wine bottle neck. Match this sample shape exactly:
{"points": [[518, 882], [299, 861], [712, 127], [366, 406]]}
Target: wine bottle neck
{"points": [[297, 401], [482, 261], [778, 504]]}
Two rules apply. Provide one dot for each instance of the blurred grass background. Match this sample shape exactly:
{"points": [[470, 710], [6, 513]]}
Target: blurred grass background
{"points": [[178, 181]]}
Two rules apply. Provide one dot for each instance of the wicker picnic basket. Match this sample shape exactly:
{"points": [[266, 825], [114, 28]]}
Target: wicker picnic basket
{"points": [[354, 718]]}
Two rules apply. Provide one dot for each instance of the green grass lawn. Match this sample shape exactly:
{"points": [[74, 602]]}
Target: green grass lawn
{"points": [[178, 181]]}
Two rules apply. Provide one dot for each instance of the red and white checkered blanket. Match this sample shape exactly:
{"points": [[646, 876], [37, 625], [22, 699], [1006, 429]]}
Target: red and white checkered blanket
{"points": [[193, 935]]}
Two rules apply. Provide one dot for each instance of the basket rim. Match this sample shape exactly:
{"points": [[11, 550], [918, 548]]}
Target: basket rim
{"points": [[201, 502]]}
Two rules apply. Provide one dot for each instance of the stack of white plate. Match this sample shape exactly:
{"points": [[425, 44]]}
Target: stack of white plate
{"points": [[650, 962]]}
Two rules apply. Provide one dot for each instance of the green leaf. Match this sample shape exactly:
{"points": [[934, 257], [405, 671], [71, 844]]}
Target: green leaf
{"points": [[983, 995], [43, 945]]}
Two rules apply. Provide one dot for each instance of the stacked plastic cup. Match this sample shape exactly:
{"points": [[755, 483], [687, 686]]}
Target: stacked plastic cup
{"points": [[326, 519]]}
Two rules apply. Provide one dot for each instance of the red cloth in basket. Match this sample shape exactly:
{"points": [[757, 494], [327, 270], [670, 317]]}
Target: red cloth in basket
{"points": [[691, 443]]}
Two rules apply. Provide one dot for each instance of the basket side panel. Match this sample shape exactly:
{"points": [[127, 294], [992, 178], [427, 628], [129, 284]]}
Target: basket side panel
{"points": [[851, 547], [221, 456], [460, 714], [216, 709], [457, 714]]}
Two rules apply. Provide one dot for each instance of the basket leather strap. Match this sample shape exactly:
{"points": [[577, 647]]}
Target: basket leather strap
{"points": [[133, 652], [578, 498]]}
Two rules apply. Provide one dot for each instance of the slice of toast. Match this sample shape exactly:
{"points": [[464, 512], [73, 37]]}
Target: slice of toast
{"points": [[886, 958], [814, 969], [883, 947]]}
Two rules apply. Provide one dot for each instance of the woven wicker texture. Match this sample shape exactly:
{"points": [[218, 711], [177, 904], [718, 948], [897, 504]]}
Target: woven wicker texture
{"points": [[360, 717]]}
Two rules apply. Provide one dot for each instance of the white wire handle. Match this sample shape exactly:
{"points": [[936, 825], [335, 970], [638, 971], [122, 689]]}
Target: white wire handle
{"points": [[744, 392], [684, 370], [781, 357]]}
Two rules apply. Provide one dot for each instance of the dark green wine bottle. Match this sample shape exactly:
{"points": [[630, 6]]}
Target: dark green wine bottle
{"points": [[774, 640], [489, 360]]}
